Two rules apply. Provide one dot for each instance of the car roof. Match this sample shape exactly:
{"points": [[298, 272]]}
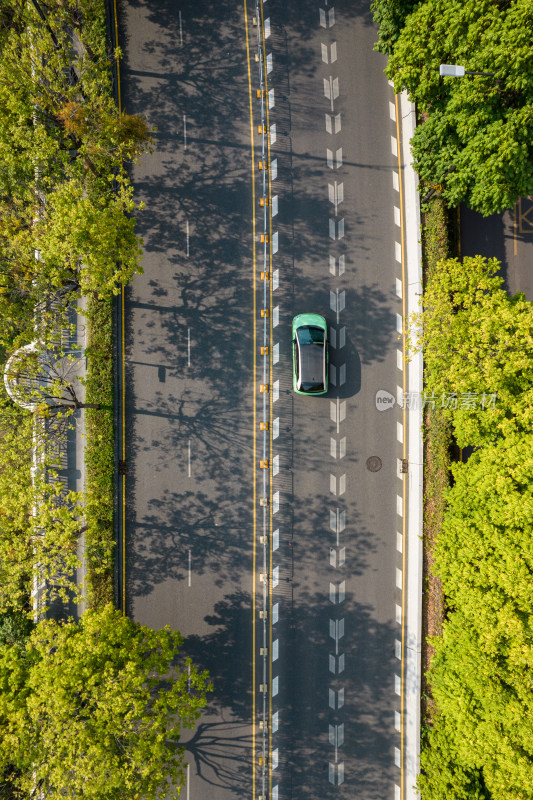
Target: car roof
{"points": [[312, 364]]}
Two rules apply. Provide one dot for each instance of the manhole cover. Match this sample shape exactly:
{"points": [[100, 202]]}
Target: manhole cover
{"points": [[373, 464]]}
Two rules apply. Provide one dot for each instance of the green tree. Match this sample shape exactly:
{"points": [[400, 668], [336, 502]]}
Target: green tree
{"points": [[390, 15], [63, 143], [478, 340], [96, 709], [89, 237], [487, 719], [15, 627], [481, 742], [476, 140], [40, 522], [443, 775], [485, 555]]}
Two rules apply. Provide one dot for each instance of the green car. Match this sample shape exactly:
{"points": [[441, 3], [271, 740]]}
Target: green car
{"points": [[309, 354]]}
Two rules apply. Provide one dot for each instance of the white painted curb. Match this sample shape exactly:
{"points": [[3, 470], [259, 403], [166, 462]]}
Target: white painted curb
{"points": [[413, 630]]}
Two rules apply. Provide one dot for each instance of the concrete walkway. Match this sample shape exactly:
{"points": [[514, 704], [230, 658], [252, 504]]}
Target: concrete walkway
{"points": [[413, 589]]}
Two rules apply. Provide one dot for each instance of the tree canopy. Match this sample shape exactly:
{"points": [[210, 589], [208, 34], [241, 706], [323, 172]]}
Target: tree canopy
{"points": [[64, 194], [477, 340], [476, 138], [96, 709]]}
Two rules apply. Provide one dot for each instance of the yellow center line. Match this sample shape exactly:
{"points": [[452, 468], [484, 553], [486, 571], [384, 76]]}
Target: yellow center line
{"points": [[404, 452], [268, 210], [254, 401]]}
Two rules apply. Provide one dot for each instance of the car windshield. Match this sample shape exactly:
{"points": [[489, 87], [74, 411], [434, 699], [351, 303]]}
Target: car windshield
{"points": [[310, 335]]}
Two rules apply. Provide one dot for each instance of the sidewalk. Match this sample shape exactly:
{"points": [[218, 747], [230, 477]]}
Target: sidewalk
{"points": [[71, 461], [413, 588]]}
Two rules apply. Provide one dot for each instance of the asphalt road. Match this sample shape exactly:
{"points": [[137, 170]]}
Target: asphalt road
{"points": [[507, 237], [328, 671], [337, 521]]}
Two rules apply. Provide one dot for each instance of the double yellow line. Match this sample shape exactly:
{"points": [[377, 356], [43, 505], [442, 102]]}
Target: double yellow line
{"points": [[268, 206]]}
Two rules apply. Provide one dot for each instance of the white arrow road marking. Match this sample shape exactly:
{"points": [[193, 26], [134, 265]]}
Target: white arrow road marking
{"points": [[329, 56], [336, 229], [336, 735], [331, 89], [337, 591], [337, 302], [333, 265], [333, 123], [337, 557], [337, 411], [336, 194], [336, 631], [329, 21]]}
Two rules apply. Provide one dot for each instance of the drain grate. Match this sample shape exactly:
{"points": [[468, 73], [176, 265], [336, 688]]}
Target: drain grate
{"points": [[374, 464]]}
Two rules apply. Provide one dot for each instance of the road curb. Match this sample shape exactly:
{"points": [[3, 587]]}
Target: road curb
{"points": [[413, 622]]}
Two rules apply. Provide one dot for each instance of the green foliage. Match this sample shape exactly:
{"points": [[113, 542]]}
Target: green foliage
{"points": [[15, 627], [390, 15], [39, 522], [435, 234], [64, 195], [477, 339], [477, 138], [63, 144], [443, 775], [91, 238], [99, 453], [480, 743], [485, 558], [102, 699]]}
